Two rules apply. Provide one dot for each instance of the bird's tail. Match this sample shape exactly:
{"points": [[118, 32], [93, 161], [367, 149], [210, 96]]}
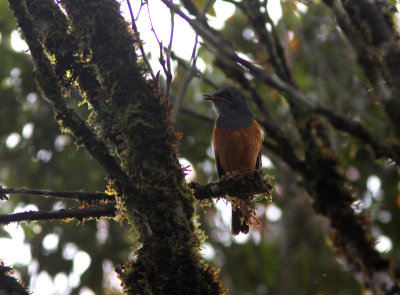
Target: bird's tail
{"points": [[239, 222]]}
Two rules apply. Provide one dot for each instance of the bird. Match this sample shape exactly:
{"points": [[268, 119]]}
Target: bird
{"points": [[237, 140]]}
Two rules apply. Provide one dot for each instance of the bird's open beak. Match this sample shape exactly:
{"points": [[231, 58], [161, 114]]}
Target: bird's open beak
{"points": [[211, 97], [208, 97]]}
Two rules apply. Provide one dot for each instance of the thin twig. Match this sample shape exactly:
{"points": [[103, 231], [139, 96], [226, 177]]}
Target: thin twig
{"points": [[169, 49], [193, 69], [381, 147], [296, 98], [299, 101], [183, 63], [134, 28], [196, 114], [160, 45], [142, 3], [189, 77]]}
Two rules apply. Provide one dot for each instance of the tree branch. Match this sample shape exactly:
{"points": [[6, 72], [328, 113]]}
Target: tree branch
{"points": [[299, 101], [370, 29], [237, 185], [383, 148], [48, 85], [185, 65], [79, 196], [270, 41], [9, 284], [134, 27], [107, 210], [321, 170]]}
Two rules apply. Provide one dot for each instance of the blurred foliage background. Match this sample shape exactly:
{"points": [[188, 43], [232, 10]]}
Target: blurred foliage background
{"points": [[288, 253]]}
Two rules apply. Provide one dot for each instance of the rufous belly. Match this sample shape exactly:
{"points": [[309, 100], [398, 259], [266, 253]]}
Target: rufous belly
{"points": [[237, 150]]}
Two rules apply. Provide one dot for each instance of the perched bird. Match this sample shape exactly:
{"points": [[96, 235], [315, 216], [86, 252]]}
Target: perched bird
{"points": [[237, 142]]}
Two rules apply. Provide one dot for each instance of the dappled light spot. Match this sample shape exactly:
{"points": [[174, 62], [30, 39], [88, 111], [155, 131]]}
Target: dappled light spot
{"points": [[61, 281], [14, 80], [27, 130], [367, 199], [384, 244], [69, 251], [61, 142], [275, 10], [110, 279], [74, 280], [207, 251], [241, 238], [28, 207], [256, 237], [43, 285], [13, 140], [59, 205], [31, 97], [374, 185], [266, 162], [17, 43], [50, 242], [81, 262], [44, 155], [224, 210], [223, 11], [352, 173], [248, 34], [273, 213], [17, 252], [102, 233], [384, 216], [207, 166], [86, 291]]}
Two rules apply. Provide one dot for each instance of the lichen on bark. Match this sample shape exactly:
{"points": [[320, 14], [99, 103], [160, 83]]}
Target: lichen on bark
{"points": [[129, 132]]}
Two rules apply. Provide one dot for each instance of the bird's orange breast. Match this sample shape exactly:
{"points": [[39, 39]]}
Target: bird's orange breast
{"points": [[237, 150]]}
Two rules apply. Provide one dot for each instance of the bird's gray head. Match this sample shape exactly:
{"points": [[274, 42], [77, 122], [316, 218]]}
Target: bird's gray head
{"points": [[231, 108]]}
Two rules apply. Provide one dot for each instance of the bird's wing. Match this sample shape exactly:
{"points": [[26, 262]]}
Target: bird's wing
{"points": [[259, 161], [219, 168]]}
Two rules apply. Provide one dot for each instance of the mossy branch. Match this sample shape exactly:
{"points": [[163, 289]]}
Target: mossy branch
{"points": [[321, 168], [107, 210], [369, 27], [240, 186], [9, 284], [78, 195], [48, 85], [301, 104]]}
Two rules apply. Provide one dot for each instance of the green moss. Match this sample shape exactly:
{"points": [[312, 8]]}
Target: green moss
{"points": [[130, 116]]}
